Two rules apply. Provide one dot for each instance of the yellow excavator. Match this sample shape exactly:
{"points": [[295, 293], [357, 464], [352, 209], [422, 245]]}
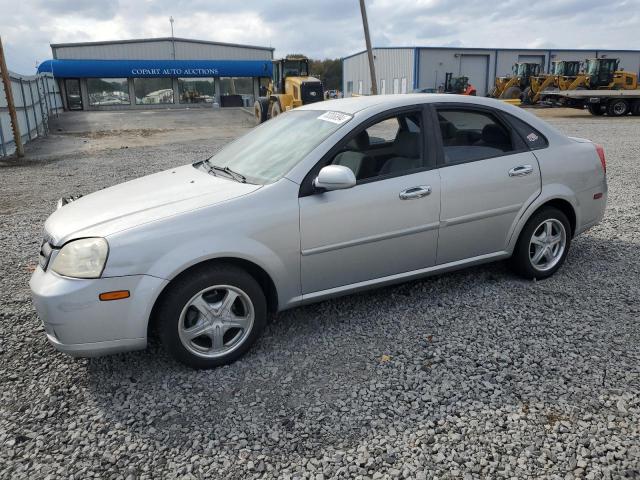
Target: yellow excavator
{"points": [[289, 87], [511, 87]]}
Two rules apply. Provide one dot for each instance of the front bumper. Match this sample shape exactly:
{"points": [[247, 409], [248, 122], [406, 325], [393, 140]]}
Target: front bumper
{"points": [[79, 324]]}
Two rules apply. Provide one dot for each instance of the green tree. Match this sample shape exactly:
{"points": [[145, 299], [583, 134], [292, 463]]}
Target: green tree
{"points": [[329, 71]]}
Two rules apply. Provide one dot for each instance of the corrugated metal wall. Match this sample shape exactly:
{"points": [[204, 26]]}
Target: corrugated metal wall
{"points": [[159, 50], [394, 67], [434, 63], [35, 98]]}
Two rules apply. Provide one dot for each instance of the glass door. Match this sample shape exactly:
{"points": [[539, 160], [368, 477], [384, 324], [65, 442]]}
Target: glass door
{"points": [[74, 99]]}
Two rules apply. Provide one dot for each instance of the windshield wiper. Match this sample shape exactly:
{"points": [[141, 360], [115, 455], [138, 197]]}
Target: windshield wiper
{"points": [[230, 173], [238, 176]]}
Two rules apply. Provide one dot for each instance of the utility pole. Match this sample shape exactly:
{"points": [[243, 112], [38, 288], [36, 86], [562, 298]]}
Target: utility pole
{"points": [[6, 81], [173, 42], [372, 68]]}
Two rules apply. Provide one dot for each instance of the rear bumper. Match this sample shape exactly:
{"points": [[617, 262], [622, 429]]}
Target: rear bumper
{"points": [[79, 324]]}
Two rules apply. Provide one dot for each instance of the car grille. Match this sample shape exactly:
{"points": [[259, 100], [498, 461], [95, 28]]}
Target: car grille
{"points": [[45, 255], [311, 92]]}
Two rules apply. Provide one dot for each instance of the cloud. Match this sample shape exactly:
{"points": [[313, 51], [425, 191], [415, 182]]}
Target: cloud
{"points": [[330, 28]]}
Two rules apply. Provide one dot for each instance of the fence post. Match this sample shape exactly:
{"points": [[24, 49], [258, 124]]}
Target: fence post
{"points": [[4, 150], [44, 94], [45, 118], [24, 108], [10, 105], [33, 107], [33, 103]]}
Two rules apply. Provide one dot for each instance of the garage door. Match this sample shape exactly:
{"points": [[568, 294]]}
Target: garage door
{"points": [[475, 67]]}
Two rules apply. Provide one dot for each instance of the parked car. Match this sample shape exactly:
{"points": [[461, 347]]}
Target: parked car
{"points": [[327, 199]]}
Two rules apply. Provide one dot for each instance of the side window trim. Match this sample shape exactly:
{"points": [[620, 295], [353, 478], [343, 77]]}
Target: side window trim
{"points": [[519, 143], [428, 152]]}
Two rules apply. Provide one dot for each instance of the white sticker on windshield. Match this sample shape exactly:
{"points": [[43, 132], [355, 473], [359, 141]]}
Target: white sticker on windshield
{"points": [[334, 117], [532, 137]]}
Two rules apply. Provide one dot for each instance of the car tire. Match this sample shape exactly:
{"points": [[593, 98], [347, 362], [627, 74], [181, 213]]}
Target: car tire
{"points": [[596, 109], [211, 316], [618, 108], [536, 258]]}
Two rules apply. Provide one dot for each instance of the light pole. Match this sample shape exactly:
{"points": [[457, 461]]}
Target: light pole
{"points": [[173, 43]]}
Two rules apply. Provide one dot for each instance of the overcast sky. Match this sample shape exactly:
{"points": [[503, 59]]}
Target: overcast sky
{"points": [[320, 29]]}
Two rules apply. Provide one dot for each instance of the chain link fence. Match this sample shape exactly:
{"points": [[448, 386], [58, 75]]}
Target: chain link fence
{"points": [[36, 98]]}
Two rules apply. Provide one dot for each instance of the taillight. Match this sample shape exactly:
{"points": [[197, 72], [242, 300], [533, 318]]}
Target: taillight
{"points": [[603, 160]]}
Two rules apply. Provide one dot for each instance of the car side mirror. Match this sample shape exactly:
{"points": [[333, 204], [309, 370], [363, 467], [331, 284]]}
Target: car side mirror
{"points": [[335, 177]]}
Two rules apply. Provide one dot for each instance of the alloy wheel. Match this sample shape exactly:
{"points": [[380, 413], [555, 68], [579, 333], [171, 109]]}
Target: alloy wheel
{"points": [[216, 321], [547, 244]]}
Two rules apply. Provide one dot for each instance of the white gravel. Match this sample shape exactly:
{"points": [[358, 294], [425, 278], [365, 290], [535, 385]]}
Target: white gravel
{"points": [[475, 374]]}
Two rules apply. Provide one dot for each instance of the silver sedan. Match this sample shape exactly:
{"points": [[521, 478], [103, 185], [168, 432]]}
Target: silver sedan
{"points": [[327, 199]]}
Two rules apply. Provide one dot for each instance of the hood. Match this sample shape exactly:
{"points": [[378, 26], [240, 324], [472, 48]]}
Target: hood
{"points": [[139, 201]]}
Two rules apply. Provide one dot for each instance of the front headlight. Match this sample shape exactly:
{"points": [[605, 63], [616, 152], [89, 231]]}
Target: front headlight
{"points": [[84, 258]]}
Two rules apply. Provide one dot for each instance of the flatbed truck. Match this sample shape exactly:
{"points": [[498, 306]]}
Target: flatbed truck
{"points": [[614, 103]]}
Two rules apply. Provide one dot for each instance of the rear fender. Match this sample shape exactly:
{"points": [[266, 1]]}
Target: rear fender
{"points": [[549, 192]]}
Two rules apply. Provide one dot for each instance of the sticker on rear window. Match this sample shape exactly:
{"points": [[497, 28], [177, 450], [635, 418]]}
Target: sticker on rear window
{"points": [[532, 137], [334, 117]]}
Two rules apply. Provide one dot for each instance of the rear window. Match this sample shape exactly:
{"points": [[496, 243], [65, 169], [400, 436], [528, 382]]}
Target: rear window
{"points": [[532, 137]]}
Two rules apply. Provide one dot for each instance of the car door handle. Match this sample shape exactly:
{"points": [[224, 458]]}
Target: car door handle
{"points": [[415, 192], [520, 171]]}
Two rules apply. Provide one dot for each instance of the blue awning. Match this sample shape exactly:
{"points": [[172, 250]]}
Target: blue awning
{"points": [[156, 68]]}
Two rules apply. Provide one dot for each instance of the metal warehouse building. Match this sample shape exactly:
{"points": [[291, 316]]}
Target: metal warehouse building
{"points": [[157, 72], [403, 69]]}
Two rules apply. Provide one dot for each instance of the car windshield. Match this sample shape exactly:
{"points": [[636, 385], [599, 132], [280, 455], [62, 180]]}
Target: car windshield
{"points": [[268, 152]]}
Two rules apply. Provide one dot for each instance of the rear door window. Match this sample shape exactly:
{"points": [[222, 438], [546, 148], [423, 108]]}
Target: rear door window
{"points": [[469, 135]]}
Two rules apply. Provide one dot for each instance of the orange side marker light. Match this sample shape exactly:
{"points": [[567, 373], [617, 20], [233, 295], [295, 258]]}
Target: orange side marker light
{"points": [[117, 295]]}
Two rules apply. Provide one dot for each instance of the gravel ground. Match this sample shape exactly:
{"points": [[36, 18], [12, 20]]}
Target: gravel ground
{"points": [[475, 374]]}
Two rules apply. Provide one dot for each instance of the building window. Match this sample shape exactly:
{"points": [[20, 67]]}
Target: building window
{"points": [[108, 91], [239, 89], [383, 86], [404, 85], [349, 87], [396, 86], [359, 87], [196, 90], [151, 91]]}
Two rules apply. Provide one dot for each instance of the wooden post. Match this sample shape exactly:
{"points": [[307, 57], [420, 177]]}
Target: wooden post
{"points": [[372, 68], [6, 81]]}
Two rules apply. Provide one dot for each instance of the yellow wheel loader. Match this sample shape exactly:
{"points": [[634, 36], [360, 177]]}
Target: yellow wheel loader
{"points": [[511, 87], [568, 75], [289, 87], [603, 74]]}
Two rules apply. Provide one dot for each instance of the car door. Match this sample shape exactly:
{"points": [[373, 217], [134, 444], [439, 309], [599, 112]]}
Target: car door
{"points": [[387, 223], [488, 177]]}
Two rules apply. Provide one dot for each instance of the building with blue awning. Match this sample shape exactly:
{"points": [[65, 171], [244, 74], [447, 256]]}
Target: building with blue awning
{"points": [[158, 73]]}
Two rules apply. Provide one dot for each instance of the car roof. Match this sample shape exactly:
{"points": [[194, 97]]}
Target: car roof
{"points": [[352, 105], [376, 103]]}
